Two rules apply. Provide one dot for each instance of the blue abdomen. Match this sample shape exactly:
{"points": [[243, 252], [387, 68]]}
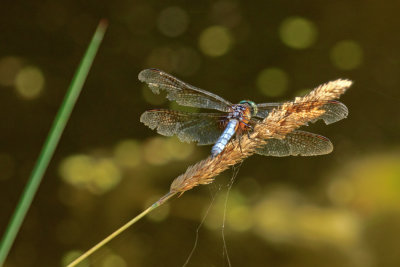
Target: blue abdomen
{"points": [[224, 138]]}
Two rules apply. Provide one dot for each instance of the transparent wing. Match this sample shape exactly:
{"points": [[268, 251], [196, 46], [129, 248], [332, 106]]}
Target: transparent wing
{"points": [[181, 92], [297, 143], [334, 110], [203, 128]]}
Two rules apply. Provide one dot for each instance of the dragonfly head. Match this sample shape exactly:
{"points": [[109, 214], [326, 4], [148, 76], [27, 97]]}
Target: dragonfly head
{"points": [[253, 106]]}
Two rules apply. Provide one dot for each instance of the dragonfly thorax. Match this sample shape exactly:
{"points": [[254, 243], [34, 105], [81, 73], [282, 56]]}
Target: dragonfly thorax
{"points": [[240, 112]]}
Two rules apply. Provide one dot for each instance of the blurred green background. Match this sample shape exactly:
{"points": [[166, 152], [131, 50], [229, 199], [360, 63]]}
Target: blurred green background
{"points": [[341, 209]]}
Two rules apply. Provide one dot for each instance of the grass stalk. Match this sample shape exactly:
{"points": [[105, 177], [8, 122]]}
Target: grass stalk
{"points": [[160, 202], [51, 142]]}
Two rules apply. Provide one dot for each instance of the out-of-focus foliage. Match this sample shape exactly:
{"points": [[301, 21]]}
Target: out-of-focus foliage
{"points": [[336, 210]]}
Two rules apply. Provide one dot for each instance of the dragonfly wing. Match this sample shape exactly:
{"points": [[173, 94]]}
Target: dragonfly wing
{"points": [[203, 128], [297, 143], [334, 110], [181, 92]]}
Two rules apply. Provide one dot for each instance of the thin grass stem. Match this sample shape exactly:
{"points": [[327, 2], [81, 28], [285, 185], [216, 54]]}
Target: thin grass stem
{"points": [[51, 142], [160, 202]]}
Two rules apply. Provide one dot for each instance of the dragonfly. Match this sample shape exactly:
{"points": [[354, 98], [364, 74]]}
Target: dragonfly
{"points": [[218, 128]]}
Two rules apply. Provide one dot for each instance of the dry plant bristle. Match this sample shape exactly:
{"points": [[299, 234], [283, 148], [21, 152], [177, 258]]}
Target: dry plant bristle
{"points": [[277, 124]]}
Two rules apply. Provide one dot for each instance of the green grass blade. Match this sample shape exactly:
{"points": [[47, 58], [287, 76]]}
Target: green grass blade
{"points": [[51, 142]]}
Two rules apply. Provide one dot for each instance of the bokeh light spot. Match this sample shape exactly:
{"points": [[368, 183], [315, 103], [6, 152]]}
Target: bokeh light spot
{"points": [[215, 41], [284, 216], [328, 225], [160, 214], [127, 153], [298, 32], [72, 255], [114, 260], [273, 217], [240, 218], [346, 55], [29, 82], [173, 21], [154, 151], [371, 184], [272, 82], [9, 67], [341, 191], [177, 149], [238, 215], [98, 175]]}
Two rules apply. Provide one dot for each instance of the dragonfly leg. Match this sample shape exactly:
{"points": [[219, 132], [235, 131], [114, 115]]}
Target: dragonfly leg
{"points": [[248, 125], [250, 129], [239, 137]]}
